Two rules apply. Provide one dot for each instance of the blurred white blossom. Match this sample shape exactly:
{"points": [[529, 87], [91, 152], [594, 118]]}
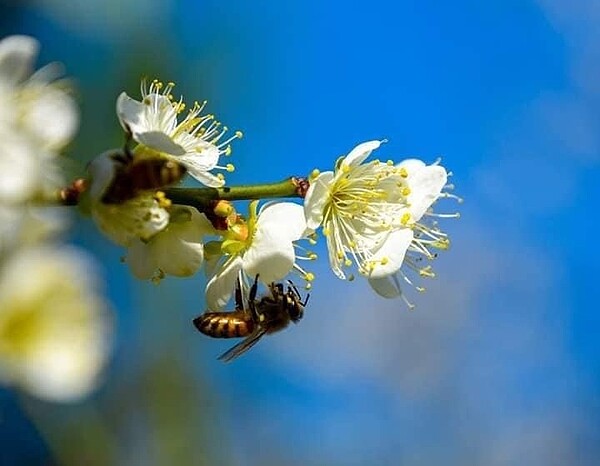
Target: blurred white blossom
{"points": [[54, 326], [34, 104], [265, 248], [196, 142]]}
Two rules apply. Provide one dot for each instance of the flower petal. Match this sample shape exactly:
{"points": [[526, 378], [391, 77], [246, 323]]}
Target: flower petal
{"points": [[159, 141], [140, 261], [17, 54], [199, 164], [179, 250], [283, 220], [425, 186], [269, 257], [51, 116], [150, 122], [411, 166], [390, 255], [221, 285], [316, 198], [386, 286], [361, 152]]}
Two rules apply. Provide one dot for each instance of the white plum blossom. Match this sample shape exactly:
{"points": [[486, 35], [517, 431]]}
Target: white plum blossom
{"points": [[177, 250], [425, 185], [371, 214], [196, 142], [266, 250], [139, 218], [54, 326], [358, 205]]}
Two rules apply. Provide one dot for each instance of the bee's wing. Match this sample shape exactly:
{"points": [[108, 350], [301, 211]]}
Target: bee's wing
{"points": [[243, 346]]}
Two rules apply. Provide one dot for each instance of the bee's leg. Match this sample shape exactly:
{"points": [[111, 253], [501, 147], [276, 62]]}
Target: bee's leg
{"points": [[306, 300], [127, 145], [254, 290], [239, 302], [293, 287], [252, 299]]}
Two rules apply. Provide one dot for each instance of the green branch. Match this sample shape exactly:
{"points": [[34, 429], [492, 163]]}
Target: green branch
{"points": [[201, 197]]}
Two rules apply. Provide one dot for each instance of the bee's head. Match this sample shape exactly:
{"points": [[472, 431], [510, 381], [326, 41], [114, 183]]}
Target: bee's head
{"points": [[294, 303], [295, 308]]}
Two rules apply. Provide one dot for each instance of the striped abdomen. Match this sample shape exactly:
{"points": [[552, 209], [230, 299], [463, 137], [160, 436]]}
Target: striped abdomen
{"points": [[225, 324]]}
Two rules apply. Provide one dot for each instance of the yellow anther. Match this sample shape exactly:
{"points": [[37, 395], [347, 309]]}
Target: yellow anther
{"points": [[239, 134], [313, 175], [220, 176], [390, 163], [403, 172], [312, 256], [223, 209], [340, 255], [308, 286], [345, 168], [405, 218], [309, 276], [420, 289], [230, 167], [426, 272], [406, 191], [442, 244], [326, 231], [347, 262], [352, 244], [384, 260], [228, 150]]}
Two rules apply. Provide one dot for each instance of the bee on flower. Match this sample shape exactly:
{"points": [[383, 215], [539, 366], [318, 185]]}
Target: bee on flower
{"points": [[196, 142], [262, 245]]}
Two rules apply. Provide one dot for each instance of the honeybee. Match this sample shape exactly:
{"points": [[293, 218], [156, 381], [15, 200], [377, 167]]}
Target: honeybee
{"points": [[135, 175], [269, 314]]}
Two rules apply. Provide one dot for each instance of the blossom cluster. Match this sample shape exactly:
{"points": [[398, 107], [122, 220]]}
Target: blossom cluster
{"points": [[54, 325], [377, 217]]}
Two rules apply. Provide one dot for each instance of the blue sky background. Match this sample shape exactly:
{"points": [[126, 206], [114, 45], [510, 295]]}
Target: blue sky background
{"points": [[499, 364]]}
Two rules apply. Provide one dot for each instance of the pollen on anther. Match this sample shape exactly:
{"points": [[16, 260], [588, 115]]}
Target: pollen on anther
{"points": [[230, 167], [314, 174], [403, 172], [309, 276], [239, 134]]}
